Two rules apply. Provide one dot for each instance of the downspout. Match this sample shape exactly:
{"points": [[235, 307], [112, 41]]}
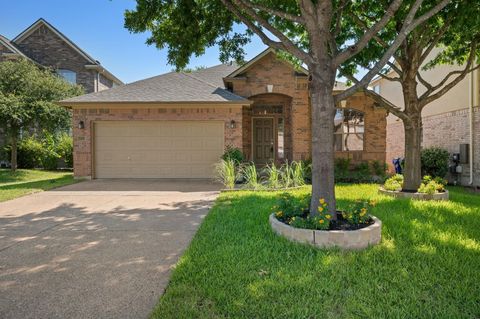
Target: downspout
{"points": [[472, 88]]}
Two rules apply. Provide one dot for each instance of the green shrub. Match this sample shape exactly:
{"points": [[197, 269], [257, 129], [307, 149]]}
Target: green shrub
{"points": [[226, 173], [379, 168], [250, 176], [50, 156], [357, 213], [29, 153], [65, 149], [435, 161], [429, 188], [394, 183], [234, 154], [431, 185]]}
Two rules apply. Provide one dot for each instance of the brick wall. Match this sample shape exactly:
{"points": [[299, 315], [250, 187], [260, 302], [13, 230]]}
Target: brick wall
{"points": [[83, 139], [47, 49], [286, 81], [446, 130]]}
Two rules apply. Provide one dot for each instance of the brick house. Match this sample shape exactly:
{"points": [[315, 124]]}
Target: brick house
{"points": [[450, 122], [45, 45], [177, 125]]}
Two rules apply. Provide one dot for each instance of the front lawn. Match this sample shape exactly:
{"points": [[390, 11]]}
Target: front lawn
{"points": [[25, 181], [427, 265]]}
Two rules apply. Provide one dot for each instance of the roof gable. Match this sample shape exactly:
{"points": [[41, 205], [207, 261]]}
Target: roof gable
{"points": [[9, 46], [41, 22], [256, 59]]}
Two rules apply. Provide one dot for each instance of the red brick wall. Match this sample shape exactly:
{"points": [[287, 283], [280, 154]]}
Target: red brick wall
{"points": [[271, 71], [82, 142]]}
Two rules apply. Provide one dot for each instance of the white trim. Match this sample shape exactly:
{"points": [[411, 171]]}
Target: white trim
{"points": [[101, 70], [249, 64]]}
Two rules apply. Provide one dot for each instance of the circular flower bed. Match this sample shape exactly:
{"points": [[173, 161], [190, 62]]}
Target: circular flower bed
{"points": [[430, 189], [353, 229], [415, 195]]}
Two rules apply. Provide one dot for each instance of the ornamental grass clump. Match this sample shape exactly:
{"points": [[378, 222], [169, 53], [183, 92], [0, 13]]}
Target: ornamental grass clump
{"points": [[273, 176], [226, 173], [250, 176]]}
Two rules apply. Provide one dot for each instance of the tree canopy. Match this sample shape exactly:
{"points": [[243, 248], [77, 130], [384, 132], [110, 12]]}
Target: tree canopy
{"points": [[27, 98]]}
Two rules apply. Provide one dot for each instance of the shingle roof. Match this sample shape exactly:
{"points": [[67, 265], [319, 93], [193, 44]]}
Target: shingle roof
{"points": [[10, 46], [204, 85]]}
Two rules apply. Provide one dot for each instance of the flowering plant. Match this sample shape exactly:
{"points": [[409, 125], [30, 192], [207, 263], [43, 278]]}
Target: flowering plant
{"points": [[358, 212]]}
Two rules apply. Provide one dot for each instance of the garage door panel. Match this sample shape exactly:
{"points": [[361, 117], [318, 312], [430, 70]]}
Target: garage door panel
{"points": [[157, 149]]}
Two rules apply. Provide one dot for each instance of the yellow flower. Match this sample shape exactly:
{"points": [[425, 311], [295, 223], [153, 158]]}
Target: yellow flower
{"points": [[362, 214], [328, 217], [363, 211], [322, 201], [320, 209], [321, 221], [279, 214]]}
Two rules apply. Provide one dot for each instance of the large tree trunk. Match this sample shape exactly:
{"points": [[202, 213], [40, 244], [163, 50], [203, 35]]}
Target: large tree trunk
{"points": [[13, 159], [412, 173], [323, 114]]}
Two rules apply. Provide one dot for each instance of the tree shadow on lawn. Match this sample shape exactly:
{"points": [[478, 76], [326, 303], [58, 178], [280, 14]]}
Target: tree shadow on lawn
{"points": [[99, 260], [426, 266], [40, 184]]}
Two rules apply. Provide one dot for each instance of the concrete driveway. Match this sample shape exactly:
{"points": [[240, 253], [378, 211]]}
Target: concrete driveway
{"points": [[97, 249]]}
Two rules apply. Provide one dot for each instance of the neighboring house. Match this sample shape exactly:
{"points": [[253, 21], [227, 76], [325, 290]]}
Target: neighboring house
{"points": [[447, 122], [177, 125], [46, 46]]}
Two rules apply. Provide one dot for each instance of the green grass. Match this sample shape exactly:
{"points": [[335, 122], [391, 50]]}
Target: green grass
{"points": [[427, 265], [24, 182]]}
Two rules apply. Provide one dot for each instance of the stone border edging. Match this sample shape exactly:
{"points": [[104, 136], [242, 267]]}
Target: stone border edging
{"points": [[419, 196], [344, 239]]}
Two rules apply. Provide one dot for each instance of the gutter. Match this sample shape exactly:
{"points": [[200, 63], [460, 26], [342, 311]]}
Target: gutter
{"points": [[473, 82]]}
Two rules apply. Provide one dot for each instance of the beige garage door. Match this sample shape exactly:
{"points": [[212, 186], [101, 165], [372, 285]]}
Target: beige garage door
{"points": [[157, 149]]}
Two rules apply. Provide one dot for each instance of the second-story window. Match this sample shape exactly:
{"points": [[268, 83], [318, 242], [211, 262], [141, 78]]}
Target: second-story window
{"points": [[68, 75]]}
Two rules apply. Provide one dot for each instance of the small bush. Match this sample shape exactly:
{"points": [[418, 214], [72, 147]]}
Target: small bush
{"points": [[234, 154], [226, 173], [432, 185], [50, 156], [394, 183], [65, 149], [29, 153], [435, 161], [379, 168], [357, 212]]}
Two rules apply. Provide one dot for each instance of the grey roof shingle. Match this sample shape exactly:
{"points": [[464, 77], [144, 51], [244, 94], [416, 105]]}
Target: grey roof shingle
{"points": [[205, 85]]}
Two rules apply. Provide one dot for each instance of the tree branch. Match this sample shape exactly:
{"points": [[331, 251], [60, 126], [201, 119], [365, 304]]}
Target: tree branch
{"points": [[407, 27], [434, 41], [275, 12], [287, 44], [389, 106], [369, 34], [427, 97], [395, 68]]}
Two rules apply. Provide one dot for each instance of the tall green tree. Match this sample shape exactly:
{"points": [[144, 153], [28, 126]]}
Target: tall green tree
{"points": [[313, 32], [27, 100], [451, 37]]}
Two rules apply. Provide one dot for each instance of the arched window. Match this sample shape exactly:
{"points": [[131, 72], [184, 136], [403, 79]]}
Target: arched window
{"points": [[68, 75], [349, 130]]}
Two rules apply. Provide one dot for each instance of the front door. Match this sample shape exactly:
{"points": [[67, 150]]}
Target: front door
{"points": [[263, 140]]}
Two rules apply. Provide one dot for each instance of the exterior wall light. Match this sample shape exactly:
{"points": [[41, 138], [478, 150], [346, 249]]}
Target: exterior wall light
{"points": [[269, 88], [81, 125], [343, 103], [232, 124]]}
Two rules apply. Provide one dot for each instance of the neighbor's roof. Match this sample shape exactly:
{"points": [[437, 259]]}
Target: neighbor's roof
{"points": [[198, 86], [10, 46], [93, 63]]}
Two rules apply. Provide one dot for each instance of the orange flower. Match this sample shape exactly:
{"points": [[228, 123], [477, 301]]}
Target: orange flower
{"points": [[321, 221]]}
